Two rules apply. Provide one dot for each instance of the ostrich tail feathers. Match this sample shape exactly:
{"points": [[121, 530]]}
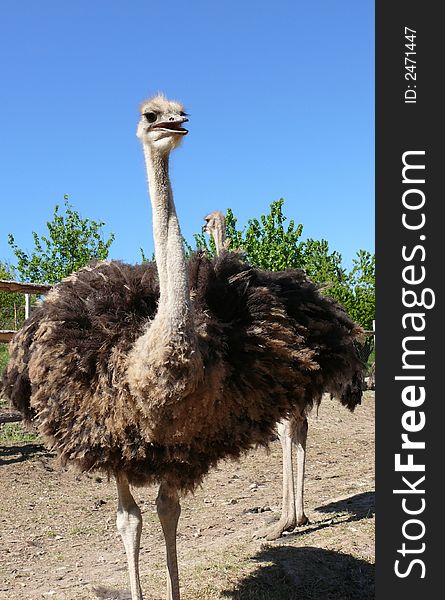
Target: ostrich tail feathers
{"points": [[352, 396]]}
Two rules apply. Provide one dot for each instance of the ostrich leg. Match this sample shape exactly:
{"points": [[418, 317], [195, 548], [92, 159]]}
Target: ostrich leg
{"points": [[169, 510], [287, 520], [292, 434], [299, 437], [129, 525]]}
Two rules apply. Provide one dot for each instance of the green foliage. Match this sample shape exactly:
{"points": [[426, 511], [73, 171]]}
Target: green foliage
{"points": [[357, 294], [4, 357], [144, 258], [70, 244], [266, 242], [269, 243], [203, 243], [322, 265], [12, 305], [357, 291], [14, 432]]}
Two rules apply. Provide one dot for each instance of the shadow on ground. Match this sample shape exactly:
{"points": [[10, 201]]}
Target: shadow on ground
{"points": [[359, 506], [20, 452], [346, 510], [288, 573], [103, 593]]}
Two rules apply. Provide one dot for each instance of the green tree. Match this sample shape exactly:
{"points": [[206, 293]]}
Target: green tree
{"points": [[357, 292], [70, 244], [267, 242], [12, 305], [270, 243], [322, 265]]}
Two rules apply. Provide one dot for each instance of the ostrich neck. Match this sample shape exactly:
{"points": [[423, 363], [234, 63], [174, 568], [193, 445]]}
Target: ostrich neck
{"points": [[219, 237], [164, 364], [174, 301]]}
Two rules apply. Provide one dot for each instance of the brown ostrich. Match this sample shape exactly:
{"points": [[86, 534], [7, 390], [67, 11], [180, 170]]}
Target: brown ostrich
{"points": [[153, 373], [292, 432]]}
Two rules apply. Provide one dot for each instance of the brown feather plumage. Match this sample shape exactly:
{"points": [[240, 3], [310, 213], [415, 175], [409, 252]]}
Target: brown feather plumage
{"points": [[270, 344]]}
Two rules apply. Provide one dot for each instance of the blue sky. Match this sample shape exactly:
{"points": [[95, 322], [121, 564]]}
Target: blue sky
{"points": [[281, 103]]}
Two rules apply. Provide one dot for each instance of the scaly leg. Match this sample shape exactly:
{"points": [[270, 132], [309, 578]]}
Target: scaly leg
{"points": [[292, 434], [299, 437], [287, 520], [169, 510], [129, 525]]}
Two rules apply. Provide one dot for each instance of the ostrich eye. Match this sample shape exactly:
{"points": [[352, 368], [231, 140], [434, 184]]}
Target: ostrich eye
{"points": [[183, 114], [150, 116]]}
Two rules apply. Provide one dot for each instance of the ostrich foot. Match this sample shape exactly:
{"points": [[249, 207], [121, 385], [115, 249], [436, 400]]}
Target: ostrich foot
{"points": [[275, 531], [303, 520]]}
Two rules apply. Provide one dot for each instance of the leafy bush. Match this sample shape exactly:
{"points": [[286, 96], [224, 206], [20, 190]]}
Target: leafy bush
{"points": [[70, 244], [4, 357]]}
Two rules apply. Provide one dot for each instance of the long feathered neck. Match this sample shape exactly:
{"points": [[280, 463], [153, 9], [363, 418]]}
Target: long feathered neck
{"points": [[174, 301], [219, 235], [164, 363]]}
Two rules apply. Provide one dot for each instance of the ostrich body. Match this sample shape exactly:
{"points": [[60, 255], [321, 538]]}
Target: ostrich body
{"points": [[153, 373], [292, 432]]}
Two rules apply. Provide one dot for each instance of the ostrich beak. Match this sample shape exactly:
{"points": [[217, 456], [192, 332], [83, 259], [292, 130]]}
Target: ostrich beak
{"points": [[172, 126]]}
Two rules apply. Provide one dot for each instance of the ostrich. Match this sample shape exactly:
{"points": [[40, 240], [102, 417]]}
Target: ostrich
{"points": [[292, 432], [153, 373]]}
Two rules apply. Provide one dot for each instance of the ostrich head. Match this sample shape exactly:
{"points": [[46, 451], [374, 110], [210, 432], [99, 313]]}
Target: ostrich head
{"points": [[215, 226], [161, 122], [213, 221]]}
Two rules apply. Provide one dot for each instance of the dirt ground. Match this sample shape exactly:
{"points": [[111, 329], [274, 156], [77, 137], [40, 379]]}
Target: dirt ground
{"points": [[58, 538]]}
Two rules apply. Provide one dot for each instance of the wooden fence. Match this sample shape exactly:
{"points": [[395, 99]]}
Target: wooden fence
{"points": [[24, 288]]}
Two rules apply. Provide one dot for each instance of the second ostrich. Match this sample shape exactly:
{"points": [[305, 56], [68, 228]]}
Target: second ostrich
{"points": [[153, 373], [292, 432]]}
